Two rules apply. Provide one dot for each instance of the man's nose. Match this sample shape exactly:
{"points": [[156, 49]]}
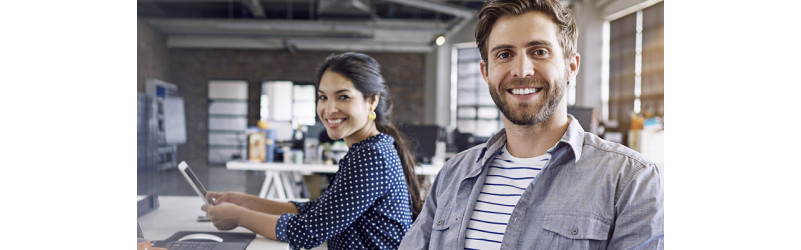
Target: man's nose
{"points": [[523, 67]]}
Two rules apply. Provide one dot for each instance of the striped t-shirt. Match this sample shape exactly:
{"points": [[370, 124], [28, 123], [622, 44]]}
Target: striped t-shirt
{"points": [[507, 179]]}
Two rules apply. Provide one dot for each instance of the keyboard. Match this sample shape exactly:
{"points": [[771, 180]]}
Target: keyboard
{"points": [[232, 241], [182, 245]]}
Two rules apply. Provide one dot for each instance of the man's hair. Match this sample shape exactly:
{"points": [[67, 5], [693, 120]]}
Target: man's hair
{"points": [[494, 9]]}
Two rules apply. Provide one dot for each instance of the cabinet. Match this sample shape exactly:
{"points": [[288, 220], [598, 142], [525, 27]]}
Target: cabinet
{"points": [[227, 120], [153, 148]]}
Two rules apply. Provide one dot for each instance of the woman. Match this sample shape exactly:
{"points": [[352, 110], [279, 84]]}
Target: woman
{"points": [[374, 196]]}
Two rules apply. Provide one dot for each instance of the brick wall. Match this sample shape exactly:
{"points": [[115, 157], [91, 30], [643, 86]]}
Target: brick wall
{"points": [[151, 62], [151, 55], [191, 69]]}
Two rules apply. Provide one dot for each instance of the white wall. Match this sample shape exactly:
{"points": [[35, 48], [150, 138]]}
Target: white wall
{"points": [[438, 78], [437, 87], [590, 47]]}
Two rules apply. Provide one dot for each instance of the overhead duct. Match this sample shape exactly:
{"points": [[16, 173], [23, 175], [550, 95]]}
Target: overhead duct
{"points": [[346, 25], [344, 8]]}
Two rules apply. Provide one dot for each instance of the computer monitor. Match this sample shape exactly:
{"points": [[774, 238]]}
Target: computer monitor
{"points": [[464, 141], [584, 117], [422, 140]]}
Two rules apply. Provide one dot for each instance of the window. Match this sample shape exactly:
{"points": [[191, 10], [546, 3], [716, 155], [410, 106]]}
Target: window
{"points": [[286, 105], [636, 67], [476, 113], [303, 102], [276, 100]]}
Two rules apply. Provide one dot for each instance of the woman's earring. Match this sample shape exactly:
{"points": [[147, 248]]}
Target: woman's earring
{"points": [[371, 115]]}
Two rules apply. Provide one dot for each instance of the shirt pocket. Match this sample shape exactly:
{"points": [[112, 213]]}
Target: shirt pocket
{"points": [[442, 230], [577, 226], [441, 219]]}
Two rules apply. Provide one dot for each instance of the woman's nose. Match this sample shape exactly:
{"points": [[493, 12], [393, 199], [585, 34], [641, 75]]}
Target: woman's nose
{"points": [[328, 108]]}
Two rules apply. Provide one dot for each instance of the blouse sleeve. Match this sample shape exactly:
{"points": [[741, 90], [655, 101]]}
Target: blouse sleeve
{"points": [[362, 179], [302, 206]]}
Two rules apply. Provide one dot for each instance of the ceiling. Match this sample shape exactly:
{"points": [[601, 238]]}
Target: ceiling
{"points": [[377, 25]]}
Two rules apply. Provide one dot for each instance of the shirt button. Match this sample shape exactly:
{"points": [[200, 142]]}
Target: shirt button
{"points": [[439, 222], [574, 231]]}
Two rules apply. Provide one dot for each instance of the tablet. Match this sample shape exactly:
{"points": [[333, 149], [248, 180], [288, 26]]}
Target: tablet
{"points": [[193, 181]]}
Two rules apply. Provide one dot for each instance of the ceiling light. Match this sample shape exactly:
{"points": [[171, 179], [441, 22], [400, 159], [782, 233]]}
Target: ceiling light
{"points": [[440, 40]]}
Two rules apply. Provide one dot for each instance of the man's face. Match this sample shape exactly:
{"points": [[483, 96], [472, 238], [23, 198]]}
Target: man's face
{"points": [[526, 70]]}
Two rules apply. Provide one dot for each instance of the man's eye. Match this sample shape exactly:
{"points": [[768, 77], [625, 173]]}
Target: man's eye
{"points": [[504, 55], [540, 52]]}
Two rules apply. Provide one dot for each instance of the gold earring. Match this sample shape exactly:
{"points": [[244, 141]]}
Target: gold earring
{"points": [[371, 115]]}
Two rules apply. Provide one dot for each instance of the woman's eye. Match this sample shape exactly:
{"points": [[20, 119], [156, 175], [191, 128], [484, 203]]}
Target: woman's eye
{"points": [[344, 97], [322, 98]]}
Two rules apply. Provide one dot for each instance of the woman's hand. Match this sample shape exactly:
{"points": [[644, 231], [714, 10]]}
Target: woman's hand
{"points": [[227, 216], [251, 202], [240, 199], [224, 215]]}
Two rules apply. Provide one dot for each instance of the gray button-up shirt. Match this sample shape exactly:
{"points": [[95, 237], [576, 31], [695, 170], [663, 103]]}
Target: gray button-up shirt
{"points": [[593, 194]]}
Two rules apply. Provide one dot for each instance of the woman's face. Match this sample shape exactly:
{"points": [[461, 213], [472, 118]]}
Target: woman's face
{"points": [[342, 108]]}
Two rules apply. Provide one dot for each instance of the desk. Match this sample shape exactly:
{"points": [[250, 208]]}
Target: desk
{"points": [[179, 213], [282, 186]]}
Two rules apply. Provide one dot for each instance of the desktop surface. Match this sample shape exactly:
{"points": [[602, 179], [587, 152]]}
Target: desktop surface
{"points": [[179, 213]]}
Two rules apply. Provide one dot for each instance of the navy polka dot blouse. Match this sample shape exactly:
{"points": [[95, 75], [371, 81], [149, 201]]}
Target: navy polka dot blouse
{"points": [[367, 206]]}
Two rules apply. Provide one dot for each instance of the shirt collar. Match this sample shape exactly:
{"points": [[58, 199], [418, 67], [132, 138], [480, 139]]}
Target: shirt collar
{"points": [[573, 137], [493, 144]]}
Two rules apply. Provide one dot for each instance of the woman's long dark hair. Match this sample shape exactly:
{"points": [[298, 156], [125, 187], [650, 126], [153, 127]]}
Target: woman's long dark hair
{"points": [[365, 74]]}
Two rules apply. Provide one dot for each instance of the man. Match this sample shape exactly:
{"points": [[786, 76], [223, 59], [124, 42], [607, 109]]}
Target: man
{"points": [[541, 182]]}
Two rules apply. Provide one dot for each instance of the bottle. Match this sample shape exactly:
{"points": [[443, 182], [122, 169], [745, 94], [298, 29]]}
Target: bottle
{"points": [[298, 138], [269, 135], [298, 133]]}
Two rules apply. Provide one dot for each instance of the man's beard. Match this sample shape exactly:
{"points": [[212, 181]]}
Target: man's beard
{"points": [[544, 106]]}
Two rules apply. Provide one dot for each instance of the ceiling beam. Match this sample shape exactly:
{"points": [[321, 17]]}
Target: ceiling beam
{"points": [[262, 27], [438, 7], [182, 1], [228, 42], [363, 45], [260, 33], [253, 5]]}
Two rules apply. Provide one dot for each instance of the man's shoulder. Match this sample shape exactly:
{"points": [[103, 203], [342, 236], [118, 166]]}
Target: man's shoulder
{"points": [[470, 152], [597, 147], [460, 162], [623, 164]]}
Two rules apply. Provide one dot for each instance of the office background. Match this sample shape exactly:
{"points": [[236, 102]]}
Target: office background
{"points": [[727, 96], [191, 44]]}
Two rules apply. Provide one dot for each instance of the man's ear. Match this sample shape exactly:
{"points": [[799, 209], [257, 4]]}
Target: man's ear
{"points": [[483, 66], [573, 66]]}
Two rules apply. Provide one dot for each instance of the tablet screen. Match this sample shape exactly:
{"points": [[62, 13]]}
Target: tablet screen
{"points": [[193, 180]]}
